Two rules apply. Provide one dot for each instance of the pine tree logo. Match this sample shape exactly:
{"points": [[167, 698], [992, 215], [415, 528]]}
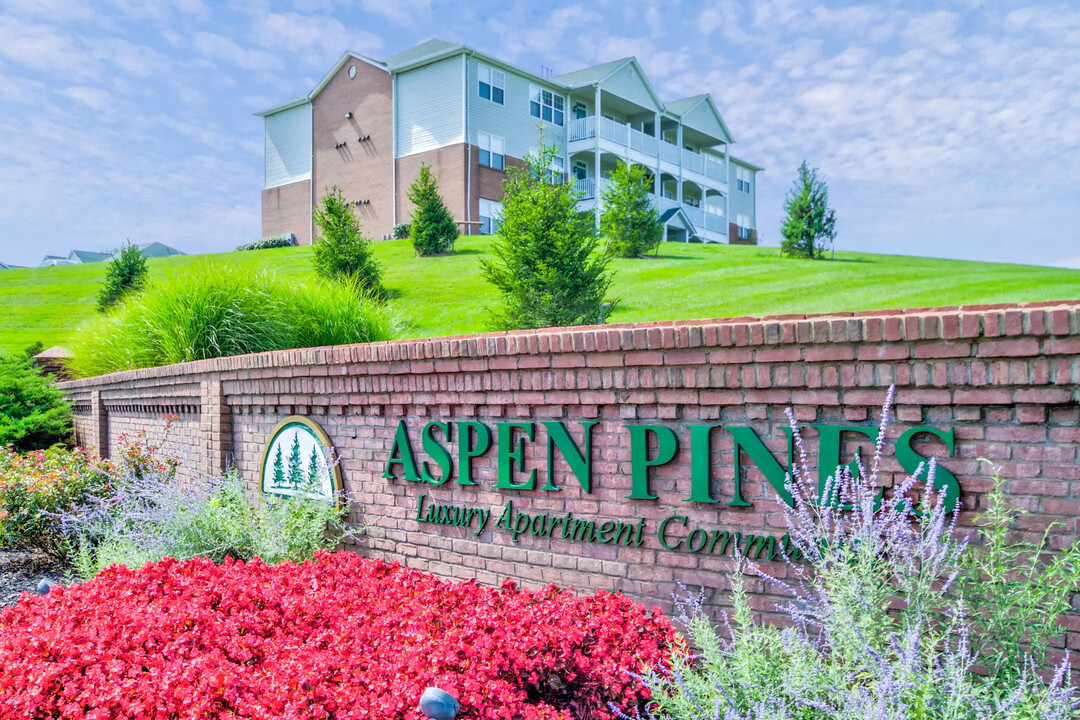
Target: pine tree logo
{"points": [[279, 469], [296, 474]]}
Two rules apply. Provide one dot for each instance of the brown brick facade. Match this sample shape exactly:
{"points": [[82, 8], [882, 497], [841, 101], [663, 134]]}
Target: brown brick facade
{"points": [[1002, 378], [362, 168], [448, 163], [286, 209]]}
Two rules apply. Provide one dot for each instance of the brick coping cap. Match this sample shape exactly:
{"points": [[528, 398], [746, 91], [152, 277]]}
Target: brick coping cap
{"points": [[960, 323]]}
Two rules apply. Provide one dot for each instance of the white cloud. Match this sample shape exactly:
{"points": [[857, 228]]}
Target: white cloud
{"points": [[92, 97], [216, 47], [408, 13]]}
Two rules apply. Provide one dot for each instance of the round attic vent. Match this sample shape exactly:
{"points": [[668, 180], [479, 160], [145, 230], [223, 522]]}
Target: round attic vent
{"points": [[352, 71]]}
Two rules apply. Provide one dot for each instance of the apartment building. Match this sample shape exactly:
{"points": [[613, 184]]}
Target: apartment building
{"points": [[370, 124]]}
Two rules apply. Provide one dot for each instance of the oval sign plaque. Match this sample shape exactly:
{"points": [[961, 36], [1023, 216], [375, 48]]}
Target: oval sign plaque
{"points": [[297, 459]]}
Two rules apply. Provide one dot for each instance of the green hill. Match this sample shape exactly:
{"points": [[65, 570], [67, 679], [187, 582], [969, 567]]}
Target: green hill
{"points": [[446, 295]]}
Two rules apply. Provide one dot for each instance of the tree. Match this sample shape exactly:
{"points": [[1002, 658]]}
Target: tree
{"points": [[125, 273], [631, 222], [433, 229], [810, 225], [33, 413], [279, 469], [314, 476], [296, 473], [343, 252], [548, 266]]}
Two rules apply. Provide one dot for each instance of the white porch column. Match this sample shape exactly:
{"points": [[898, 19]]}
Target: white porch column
{"points": [[678, 143], [658, 188], [596, 155], [727, 195]]}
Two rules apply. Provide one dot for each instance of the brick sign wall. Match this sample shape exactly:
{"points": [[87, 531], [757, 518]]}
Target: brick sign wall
{"points": [[989, 382]]}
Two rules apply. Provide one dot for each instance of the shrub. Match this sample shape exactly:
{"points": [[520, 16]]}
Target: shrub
{"points": [[810, 224], [401, 231], [125, 273], [878, 625], [433, 229], [148, 516], [33, 413], [267, 243], [35, 486], [630, 221], [339, 636], [342, 251], [215, 310], [549, 266]]}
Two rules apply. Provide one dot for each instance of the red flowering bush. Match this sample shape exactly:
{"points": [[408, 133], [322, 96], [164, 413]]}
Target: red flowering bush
{"points": [[335, 637]]}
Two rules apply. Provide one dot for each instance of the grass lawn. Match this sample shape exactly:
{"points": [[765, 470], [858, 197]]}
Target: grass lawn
{"points": [[446, 295]]}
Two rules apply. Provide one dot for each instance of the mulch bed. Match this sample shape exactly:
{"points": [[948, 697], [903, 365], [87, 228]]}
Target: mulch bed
{"points": [[22, 572]]}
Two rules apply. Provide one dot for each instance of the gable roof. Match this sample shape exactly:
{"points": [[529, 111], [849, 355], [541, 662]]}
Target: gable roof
{"points": [[427, 50], [685, 106], [307, 97], [88, 256], [748, 165], [157, 249], [681, 215], [590, 75]]}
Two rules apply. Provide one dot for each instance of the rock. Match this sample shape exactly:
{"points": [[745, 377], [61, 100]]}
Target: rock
{"points": [[44, 585], [438, 704]]}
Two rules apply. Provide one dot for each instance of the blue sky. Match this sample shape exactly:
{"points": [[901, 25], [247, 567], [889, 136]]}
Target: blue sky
{"points": [[948, 129]]}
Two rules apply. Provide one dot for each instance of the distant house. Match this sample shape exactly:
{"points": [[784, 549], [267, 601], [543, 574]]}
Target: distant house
{"points": [[79, 257], [5, 266]]}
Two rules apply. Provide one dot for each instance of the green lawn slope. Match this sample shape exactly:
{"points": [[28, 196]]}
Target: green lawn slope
{"points": [[446, 295]]}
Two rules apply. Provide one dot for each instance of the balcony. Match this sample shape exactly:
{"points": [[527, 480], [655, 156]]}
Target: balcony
{"points": [[702, 219], [618, 133]]}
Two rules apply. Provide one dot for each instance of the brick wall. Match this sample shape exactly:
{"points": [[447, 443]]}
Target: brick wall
{"points": [[1003, 378], [362, 169], [287, 209]]}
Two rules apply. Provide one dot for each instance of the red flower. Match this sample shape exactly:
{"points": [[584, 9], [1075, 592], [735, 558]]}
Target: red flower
{"points": [[339, 636]]}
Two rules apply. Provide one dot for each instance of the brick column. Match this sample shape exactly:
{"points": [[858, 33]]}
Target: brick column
{"points": [[216, 427], [99, 434]]}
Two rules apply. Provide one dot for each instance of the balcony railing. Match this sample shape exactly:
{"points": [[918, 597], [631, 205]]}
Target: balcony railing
{"points": [[715, 169], [626, 136], [715, 221], [669, 153]]}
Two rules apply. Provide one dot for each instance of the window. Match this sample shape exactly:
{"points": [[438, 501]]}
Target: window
{"points": [[743, 221], [546, 105], [492, 82], [581, 170], [556, 174], [490, 216], [492, 151], [743, 179]]}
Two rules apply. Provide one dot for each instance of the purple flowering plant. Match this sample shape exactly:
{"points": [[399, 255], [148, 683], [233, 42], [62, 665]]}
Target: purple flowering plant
{"points": [[879, 624]]}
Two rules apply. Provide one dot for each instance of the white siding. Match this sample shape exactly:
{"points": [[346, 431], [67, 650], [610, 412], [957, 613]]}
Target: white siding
{"points": [[512, 120], [627, 83], [287, 146], [742, 202], [702, 119], [428, 107]]}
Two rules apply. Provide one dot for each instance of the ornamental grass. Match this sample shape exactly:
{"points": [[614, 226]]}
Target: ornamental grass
{"points": [[214, 309]]}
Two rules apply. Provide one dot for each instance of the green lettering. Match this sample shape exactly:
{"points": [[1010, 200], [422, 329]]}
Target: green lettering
{"points": [[700, 465], [467, 451], [608, 526], [829, 450], [661, 532], [909, 460], [437, 452], [584, 530], [667, 444], [717, 534], [519, 526], [508, 512], [401, 454], [509, 458], [580, 462], [748, 441]]}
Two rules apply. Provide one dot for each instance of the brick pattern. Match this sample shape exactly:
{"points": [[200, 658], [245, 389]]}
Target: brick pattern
{"points": [[287, 209], [1004, 377]]}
